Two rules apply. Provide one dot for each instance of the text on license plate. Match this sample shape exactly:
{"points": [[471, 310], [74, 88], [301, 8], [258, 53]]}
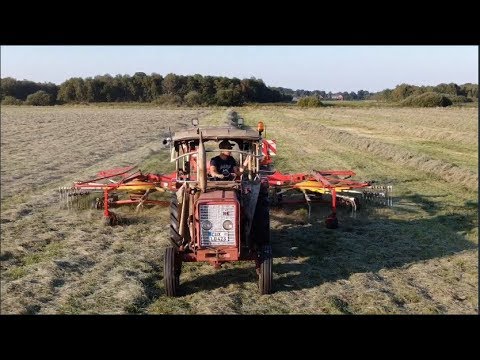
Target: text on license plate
{"points": [[218, 236]]}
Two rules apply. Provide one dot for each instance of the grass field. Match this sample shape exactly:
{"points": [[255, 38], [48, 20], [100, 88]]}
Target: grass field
{"points": [[418, 257]]}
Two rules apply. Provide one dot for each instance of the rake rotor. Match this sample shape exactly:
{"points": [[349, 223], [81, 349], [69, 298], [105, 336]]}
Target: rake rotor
{"points": [[115, 187], [328, 186]]}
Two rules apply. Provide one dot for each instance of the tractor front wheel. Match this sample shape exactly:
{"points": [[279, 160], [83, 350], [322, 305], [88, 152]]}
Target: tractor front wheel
{"points": [[265, 273], [175, 237], [171, 271]]}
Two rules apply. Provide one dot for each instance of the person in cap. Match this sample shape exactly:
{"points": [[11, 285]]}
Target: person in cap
{"points": [[223, 165]]}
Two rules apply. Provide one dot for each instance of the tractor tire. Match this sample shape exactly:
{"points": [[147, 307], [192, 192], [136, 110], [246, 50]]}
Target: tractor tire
{"points": [[171, 271], [265, 273], [175, 237], [261, 221]]}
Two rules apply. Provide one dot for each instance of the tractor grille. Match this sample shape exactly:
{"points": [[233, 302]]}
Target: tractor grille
{"points": [[212, 219]]}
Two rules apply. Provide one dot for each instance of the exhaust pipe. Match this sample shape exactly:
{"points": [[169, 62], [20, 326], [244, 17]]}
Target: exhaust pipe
{"points": [[202, 165]]}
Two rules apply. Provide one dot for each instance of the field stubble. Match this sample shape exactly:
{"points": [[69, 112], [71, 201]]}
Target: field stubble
{"points": [[418, 257]]}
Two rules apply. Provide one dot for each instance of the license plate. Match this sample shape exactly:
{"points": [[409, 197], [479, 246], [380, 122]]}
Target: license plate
{"points": [[218, 237]]}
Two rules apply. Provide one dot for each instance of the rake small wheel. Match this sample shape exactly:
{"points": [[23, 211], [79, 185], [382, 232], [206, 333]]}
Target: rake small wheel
{"points": [[331, 223], [111, 220], [97, 203]]}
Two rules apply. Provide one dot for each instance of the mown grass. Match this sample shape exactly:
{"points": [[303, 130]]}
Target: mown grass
{"points": [[420, 256]]}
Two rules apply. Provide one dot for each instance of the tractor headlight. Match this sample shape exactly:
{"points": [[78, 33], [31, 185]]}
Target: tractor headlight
{"points": [[227, 225], [206, 225]]}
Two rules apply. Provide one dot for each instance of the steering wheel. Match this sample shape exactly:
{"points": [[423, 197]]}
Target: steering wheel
{"points": [[226, 176]]}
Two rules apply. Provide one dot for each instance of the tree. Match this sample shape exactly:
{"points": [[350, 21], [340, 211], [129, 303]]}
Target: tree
{"points": [[469, 90], [228, 97], [40, 98], [193, 98], [309, 101], [402, 92], [193, 83], [10, 100], [73, 90], [20, 89], [155, 86], [207, 86], [428, 99], [362, 94], [138, 86], [450, 89], [171, 84], [67, 91]]}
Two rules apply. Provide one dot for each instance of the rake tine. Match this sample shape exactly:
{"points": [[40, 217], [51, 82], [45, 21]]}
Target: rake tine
{"points": [[308, 200], [379, 194]]}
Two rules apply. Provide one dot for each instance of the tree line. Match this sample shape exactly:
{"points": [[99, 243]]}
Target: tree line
{"points": [[441, 95], [16, 91], [321, 94], [198, 90], [456, 93], [195, 90]]}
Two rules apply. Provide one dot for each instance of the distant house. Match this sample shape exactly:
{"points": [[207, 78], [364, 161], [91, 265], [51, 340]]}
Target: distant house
{"points": [[337, 97]]}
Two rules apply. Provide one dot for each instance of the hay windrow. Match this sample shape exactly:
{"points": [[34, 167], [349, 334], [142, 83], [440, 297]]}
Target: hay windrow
{"points": [[446, 171]]}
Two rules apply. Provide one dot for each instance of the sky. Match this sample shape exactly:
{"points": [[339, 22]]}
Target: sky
{"points": [[329, 68]]}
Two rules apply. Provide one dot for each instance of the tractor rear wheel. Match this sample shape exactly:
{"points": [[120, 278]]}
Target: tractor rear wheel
{"points": [[265, 275], [261, 221], [171, 271], [175, 237]]}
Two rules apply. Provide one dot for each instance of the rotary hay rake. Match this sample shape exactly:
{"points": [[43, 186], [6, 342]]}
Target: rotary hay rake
{"points": [[110, 187], [129, 186]]}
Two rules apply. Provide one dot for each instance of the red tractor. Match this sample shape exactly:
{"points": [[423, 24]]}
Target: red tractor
{"points": [[218, 220]]}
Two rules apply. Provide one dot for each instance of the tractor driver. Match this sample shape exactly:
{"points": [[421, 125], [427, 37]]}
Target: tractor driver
{"points": [[223, 165]]}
